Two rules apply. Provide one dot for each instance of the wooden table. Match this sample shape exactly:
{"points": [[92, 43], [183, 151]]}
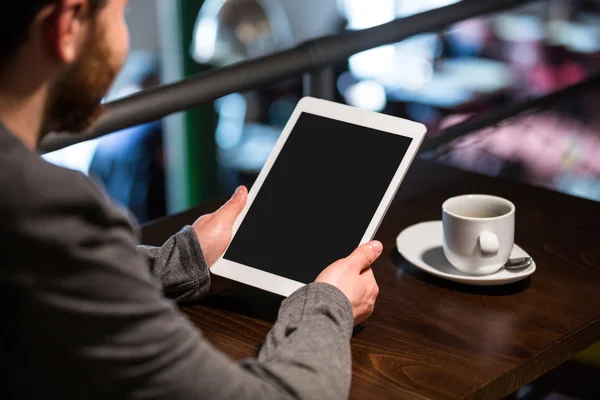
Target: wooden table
{"points": [[431, 339]]}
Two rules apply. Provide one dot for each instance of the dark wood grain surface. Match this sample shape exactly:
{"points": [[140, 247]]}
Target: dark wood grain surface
{"points": [[432, 339]]}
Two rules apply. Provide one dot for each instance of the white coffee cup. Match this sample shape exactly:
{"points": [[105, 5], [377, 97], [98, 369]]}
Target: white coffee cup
{"points": [[479, 232]]}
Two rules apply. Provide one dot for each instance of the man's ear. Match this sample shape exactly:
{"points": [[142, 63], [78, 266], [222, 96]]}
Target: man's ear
{"points": [[67, 29]]}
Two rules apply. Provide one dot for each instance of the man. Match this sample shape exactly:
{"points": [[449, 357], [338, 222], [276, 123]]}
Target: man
{"points": [[83, 312]]}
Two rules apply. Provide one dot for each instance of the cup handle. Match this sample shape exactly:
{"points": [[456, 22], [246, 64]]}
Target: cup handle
{"points": [[488, 243]]}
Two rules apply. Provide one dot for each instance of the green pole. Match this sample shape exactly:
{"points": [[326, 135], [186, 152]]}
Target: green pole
{"points": [[190, 148]]}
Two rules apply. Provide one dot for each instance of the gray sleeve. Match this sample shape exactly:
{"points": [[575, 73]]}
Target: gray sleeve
{"points": [[109, 329], [309, 346], [179, 266]]}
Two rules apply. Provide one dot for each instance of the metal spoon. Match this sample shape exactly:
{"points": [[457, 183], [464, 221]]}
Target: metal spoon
{"points": [[518, 263]]}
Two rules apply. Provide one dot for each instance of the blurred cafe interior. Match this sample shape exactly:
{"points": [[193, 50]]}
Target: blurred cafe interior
{"points": [[436, 78]]}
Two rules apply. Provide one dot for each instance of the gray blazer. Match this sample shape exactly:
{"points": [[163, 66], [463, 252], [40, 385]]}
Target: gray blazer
{"points": [[85, 314]]}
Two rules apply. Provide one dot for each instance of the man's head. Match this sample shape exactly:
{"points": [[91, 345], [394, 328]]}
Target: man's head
{"points": [[73, 48]]}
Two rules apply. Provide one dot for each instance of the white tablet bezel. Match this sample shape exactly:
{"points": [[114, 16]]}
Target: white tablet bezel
{"points": [[284, 286]]}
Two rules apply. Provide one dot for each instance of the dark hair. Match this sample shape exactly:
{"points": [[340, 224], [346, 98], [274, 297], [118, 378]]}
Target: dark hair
{"points": [[16, 20]]}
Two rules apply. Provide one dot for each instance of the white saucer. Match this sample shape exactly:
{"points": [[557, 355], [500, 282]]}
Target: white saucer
{"points": [[421, 245]]}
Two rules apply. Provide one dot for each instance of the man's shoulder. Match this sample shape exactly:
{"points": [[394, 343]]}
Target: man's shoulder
{"points": [[50, 210], [27, 180]]}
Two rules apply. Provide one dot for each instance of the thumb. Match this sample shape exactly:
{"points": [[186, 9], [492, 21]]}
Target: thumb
{"points": [[232, 209], [365, 255]]}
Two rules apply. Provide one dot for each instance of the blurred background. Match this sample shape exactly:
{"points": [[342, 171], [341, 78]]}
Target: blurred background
{"points": [[438, 79]]}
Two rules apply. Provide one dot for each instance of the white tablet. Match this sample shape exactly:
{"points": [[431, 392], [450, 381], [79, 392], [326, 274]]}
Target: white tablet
{"points": [[323, 191]]}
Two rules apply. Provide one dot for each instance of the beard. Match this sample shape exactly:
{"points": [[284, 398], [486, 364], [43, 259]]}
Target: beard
{"points": [[74, 101]]}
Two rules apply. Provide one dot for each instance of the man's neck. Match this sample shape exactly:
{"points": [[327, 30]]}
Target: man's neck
{"points": [[22, 114], [24, 87]]}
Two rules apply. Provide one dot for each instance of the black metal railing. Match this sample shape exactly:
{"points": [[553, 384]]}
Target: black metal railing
{"points": [[510, 110], [313, 58]]}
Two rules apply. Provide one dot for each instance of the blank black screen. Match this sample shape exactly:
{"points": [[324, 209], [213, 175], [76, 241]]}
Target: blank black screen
{"points": [[319, 197]]}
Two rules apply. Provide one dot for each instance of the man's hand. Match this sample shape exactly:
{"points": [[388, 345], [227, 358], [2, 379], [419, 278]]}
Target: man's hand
{"points": [[214, 230], [354, 277]]}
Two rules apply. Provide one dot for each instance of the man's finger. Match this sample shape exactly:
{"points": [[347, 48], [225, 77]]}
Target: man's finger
{"points": [[365, 255], [232, 209]]}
